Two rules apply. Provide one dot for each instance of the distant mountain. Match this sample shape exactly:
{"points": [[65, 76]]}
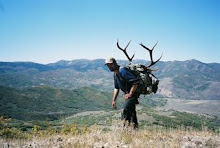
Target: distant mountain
{"points": [[189, 79], [10, 67], [81, 65]]}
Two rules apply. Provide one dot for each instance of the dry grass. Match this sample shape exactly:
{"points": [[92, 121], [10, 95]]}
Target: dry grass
{"points": [[120, 137]]}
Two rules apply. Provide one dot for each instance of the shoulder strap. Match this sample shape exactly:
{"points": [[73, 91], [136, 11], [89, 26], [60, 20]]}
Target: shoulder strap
{"points": [[122, 80], [153, 75]]}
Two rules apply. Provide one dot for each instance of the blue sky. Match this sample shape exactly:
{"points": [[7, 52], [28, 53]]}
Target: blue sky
{"points": [[46, 31]]}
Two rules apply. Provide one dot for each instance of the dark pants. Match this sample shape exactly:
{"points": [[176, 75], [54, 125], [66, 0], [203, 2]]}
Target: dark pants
{"points": [[129, 111]]}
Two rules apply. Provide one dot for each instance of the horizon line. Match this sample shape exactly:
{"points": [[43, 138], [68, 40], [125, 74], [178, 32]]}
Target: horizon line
{"points": [[46, 63]]}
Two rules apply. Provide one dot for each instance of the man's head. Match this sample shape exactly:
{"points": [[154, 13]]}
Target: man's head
{"points": [[111, 63]]}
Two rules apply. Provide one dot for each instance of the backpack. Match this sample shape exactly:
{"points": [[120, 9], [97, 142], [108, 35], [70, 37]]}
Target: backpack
{"points": [[148, 82]]}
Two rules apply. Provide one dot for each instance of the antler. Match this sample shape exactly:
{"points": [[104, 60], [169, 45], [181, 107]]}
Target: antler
{"points": [[124, 50], [151, 57]]}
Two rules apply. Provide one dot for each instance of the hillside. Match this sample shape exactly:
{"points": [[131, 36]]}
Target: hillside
{"points": [[190, 79], [45, 103]]}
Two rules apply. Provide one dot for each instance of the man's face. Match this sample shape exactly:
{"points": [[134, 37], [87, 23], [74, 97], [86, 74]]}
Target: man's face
{"points": [[111, 66]]}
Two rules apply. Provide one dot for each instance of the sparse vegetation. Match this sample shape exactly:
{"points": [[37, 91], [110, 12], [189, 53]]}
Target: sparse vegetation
{"points": [[105, 130], [116, 136]]}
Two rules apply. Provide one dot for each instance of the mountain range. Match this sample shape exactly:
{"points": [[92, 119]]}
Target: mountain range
{"points": [[189, 79]]}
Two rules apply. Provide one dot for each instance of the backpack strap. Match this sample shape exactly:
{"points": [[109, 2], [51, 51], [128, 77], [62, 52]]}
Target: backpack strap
{"points": [[154, 76], [123, 81]]}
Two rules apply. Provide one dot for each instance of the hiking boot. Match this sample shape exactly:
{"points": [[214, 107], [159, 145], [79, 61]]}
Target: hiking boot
{"points": [[136, 126]]}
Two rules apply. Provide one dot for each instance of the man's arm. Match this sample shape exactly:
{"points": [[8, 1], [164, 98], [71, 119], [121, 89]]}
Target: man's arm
{"points": [[115, 95], [132, 91]]}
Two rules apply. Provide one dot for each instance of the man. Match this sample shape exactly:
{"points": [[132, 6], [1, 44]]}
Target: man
{"points": [[125, 80]]}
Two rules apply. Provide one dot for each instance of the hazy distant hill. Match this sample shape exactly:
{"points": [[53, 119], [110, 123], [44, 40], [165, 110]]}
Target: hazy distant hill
{"points": [[10, 67], [190, 79]]}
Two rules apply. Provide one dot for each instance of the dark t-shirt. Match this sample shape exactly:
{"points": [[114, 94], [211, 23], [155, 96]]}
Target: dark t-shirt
{"points": [[125, 79]]}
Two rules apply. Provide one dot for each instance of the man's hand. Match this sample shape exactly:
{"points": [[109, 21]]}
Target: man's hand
{"points": [[114, 104], [127, 96], [132, 90]]}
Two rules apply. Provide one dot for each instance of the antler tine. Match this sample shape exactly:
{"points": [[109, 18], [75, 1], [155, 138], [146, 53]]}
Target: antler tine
{"points": [[128, 44], [124, 50], [157, 60], [151, 54], [154, 46]]}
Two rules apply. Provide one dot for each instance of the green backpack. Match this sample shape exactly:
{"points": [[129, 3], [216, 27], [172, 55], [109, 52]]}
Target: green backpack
{"points": [[148, 82]]}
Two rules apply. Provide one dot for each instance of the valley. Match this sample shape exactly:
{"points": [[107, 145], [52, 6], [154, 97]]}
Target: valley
{"points": [[202, 107]]}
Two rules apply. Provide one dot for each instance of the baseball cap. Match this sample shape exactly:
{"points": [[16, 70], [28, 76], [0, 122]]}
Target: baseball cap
{"points": [[110, 60]]}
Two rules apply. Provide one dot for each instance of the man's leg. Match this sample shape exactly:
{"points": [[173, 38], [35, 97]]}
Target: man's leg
{"points": [[134, 118], [129, 113]]}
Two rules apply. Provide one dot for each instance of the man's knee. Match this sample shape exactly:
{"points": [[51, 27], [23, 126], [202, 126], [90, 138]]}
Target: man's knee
{"points": [[125, 112]]}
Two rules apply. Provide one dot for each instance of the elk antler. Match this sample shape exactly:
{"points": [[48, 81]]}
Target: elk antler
{"points": [[151, 57], [124, 50]]}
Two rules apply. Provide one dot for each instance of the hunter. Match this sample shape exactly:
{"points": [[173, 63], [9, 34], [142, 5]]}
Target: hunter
{"points": [[125, 80]]}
